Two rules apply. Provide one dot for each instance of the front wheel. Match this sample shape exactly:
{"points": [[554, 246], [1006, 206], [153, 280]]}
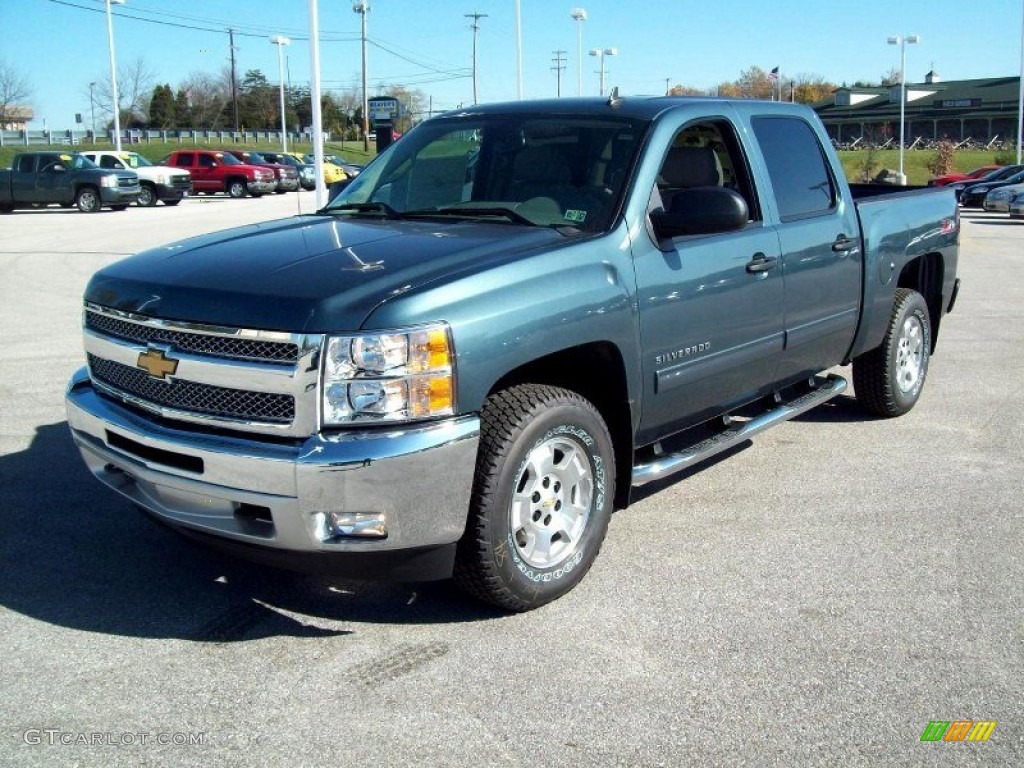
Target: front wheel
{"points": [[542, 497], [888, 379], [88, 200], [147, 196], [236, 189]]}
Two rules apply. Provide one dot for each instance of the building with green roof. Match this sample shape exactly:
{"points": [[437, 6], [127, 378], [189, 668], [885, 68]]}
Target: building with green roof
{"points": [[982, 110]]}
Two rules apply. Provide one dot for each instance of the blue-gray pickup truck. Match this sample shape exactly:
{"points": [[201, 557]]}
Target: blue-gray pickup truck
{"points": [[39, 179], [511, 318]]}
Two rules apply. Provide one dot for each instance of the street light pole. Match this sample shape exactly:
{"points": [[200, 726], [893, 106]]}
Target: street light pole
{"points": [[92, 110], [113, 74], [580, 15], [476, 28], [1020, 91], [901, 41], [519, 52], [281, 41], [601, 53], [362, 7]]}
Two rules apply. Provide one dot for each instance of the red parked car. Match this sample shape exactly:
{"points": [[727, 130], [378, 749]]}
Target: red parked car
{"points": [[949, 178], [214, 171]]}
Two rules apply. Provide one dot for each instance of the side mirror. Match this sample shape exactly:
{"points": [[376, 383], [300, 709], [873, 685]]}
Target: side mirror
{"points": [[57, 168], [701, 211]]}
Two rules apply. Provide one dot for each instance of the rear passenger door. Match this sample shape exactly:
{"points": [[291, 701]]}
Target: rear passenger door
{"points": [[711, 306], [820, 240], [186, 160]]}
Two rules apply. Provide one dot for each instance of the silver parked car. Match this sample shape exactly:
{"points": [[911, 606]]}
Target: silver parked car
{"points": [[1016, 204], [999, 198]]}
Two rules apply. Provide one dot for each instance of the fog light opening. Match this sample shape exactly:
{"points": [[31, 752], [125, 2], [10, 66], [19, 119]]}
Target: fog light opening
{"points": [[352, 525]]}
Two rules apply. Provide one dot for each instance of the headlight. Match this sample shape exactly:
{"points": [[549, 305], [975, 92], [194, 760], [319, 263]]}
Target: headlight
{"points": [[109, 180], [161, 179], [997, 194], [978, 190], [398, 376]]}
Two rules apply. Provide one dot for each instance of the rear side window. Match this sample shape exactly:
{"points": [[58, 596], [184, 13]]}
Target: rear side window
{"points": [[27, 163], [796, 164], [183, 160]]}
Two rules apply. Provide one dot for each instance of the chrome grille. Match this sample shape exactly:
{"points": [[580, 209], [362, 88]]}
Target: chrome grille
{"points": [[242, 379], [233, 348], [127, 181], [181, 182], [180, 395]]}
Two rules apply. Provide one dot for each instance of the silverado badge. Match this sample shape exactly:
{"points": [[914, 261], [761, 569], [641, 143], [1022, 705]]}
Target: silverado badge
{"points": [[153, 362]]}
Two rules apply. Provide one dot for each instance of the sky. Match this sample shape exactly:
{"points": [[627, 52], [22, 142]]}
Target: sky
{"points": [[60, 46]]}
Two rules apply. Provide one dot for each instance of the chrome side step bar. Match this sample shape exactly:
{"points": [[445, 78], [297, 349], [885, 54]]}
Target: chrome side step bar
{"points": [[669, 464]]}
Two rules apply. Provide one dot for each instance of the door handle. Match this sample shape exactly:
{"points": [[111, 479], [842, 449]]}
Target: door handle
{"points": [[843, 244], [761, 263]]}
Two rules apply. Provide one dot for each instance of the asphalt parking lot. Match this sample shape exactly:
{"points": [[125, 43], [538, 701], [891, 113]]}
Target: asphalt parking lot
{"points": [[816, 598]]}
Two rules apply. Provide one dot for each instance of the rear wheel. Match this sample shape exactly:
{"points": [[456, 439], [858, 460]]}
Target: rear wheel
{"points": [[542, 497], [236, 188], [88, 200], [888, 379], [172, 203]]}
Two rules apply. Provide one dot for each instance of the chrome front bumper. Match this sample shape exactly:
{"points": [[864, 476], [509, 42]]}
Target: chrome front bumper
{"points": [[278, 494]]}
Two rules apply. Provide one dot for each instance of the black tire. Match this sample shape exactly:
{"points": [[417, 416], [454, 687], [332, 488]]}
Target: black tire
{"points": [[524, 546], [87, 199], [172, 203], [119, 207], [236, 188], [147, 196], [280, 191], [888, 379]]}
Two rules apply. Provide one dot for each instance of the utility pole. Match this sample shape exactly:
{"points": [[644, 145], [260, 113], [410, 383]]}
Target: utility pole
{"points": [[559, 62], [362, 7], [234, 77], [476, 28], [667, 79]]}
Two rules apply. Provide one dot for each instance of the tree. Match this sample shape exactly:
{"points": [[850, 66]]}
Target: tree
{"points": [[208, 98], [182, 110], [134, 91], [891, 77], [162, 109], [257, 102], [14, 89], [811, 88]]}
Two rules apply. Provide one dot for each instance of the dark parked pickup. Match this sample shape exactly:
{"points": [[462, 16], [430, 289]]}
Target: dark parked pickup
{"points": [[509, 320], [68, 179]]}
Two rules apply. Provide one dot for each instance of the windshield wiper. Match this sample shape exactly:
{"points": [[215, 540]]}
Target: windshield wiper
{"points": [[376, 207], [472, 211]]}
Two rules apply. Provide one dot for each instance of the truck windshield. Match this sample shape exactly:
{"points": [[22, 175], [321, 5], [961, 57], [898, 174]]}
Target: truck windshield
{"points": [[555, 171], [135, 160], [228, 159]]}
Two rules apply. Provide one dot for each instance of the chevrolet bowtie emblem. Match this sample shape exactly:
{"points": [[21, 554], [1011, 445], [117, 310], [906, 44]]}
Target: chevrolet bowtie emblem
{"points": [[153, 362]]}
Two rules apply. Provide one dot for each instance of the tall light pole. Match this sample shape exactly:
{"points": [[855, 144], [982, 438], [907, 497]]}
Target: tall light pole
{"points": [[601, 53], [92, 109], [519, 52], [281, 41], [1020, 92], [113, 74], [362, 7], [314, 94], [476, 28], [580, 15], [902, 41]]}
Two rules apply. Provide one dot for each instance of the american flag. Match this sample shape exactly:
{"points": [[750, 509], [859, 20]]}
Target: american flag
{"points": [[774, 74]]}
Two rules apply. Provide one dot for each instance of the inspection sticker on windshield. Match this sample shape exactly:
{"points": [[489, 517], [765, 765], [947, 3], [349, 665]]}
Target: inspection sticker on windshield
{"points": [[578, 216]]}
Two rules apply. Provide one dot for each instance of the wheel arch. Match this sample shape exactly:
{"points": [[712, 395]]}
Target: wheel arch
{"points": [[597, 372], [925, 274]]}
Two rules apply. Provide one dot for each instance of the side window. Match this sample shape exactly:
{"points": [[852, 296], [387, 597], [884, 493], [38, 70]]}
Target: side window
{"points": [[707, 154], [26, 163], [796, 164], [110, 162], [184, 160], [205, 161]]}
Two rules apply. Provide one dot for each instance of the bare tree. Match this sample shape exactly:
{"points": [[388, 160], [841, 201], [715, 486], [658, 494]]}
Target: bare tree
{"points": [[810, 88], [209, 97], [14, 88], [134, 89]]}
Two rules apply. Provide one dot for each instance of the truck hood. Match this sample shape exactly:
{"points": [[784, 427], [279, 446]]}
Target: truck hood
{"points": [[311, 274]]}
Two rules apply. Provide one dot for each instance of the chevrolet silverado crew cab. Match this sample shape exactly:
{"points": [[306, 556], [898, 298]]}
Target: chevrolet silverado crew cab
{"points": [[157, 182], [214, 171], [510, 319], [67, 178]]}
